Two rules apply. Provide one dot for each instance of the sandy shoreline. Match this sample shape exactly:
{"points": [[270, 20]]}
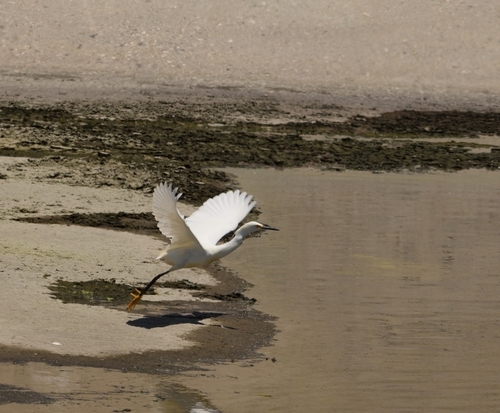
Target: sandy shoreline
{"points": [[358, 55], [34, 256]]}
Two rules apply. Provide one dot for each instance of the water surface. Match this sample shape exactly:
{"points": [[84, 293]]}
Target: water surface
{"points": [[386, 291]]}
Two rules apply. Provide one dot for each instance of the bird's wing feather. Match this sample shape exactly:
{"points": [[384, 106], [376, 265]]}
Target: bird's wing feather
{"points": [[170, 222], [219, 215]]}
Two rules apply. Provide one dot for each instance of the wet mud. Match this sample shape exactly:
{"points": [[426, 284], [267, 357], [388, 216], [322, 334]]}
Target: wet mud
{"points": [[140, 223], [233, 334], [113, 294], [15, 394], [135, 146]]}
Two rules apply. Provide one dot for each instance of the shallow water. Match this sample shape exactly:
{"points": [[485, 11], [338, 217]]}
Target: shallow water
{"points": [[86, 390], [386, 291]]}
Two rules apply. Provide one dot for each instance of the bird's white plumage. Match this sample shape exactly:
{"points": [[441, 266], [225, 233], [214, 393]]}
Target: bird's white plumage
{"points": [[170, 222], [215, 218], [194, 239], [219, 215]]}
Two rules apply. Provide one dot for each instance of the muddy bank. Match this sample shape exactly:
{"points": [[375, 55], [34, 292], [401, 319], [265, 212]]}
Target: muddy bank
{"points": [[134, 146]]}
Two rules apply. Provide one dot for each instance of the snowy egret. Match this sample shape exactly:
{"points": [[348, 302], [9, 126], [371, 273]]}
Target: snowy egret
{"points": [[194, 239]]}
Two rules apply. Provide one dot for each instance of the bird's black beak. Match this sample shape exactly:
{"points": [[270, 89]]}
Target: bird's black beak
{"points": [[267, 227]]}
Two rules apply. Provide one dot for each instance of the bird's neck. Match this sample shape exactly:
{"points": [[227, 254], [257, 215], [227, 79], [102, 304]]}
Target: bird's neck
{"points": [[235, 242]]}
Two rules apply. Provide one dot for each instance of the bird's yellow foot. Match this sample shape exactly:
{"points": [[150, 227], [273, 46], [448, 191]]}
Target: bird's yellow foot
{"points": [[135, 300]]}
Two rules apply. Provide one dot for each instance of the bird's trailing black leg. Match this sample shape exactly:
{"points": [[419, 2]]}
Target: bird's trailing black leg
{"points": [[139, 293]]}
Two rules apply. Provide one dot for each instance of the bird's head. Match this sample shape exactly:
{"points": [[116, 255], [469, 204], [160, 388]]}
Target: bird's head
{"points": [[254, 226], [265, 227]]}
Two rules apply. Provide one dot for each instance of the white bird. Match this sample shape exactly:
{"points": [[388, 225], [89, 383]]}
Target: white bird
{"points": [[193, 240]]}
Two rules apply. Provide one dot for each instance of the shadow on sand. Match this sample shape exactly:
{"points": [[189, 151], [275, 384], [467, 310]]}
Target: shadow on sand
{"points": [[172, 319]]}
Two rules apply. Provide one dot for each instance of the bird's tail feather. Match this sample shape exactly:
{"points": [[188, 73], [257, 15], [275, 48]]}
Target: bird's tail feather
{"points": [[159, 257]]}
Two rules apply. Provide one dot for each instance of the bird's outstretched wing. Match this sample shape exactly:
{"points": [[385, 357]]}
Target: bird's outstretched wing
{"points": [[170, 222], [219, 215]]}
